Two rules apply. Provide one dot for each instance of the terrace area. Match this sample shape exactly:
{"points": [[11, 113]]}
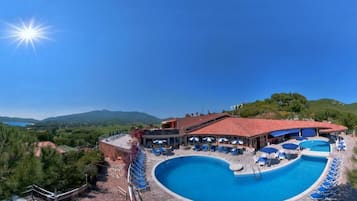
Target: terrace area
{"points": [[249, 166]]}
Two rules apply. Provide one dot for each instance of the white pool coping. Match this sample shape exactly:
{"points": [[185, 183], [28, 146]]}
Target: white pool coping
{"points": [[295, 198], [314, 185], [168, 190]]}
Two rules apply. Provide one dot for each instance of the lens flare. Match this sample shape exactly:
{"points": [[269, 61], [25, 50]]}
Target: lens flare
{"points": [[28, 33]]}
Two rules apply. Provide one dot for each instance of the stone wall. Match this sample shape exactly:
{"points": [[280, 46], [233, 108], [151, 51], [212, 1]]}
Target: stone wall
{"points": [[113, 153]]}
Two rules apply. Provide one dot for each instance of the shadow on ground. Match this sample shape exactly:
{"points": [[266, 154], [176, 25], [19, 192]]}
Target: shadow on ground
{"points": [[345, 192]]}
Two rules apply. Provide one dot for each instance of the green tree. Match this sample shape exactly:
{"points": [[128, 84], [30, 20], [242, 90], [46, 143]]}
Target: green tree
{"points": [[18, 166], [89, 164]]}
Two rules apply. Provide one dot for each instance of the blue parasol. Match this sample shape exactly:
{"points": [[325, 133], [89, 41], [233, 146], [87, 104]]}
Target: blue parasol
{"points": [[300, 138], [290, 146], [268, 150]]}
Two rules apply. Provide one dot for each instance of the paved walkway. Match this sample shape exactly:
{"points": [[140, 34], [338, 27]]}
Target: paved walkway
{"points": [[107, 186], [247, 159]]}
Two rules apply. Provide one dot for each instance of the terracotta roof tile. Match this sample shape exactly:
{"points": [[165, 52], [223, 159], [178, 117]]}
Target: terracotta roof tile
{"points": [[44, 144], [252, 127]]}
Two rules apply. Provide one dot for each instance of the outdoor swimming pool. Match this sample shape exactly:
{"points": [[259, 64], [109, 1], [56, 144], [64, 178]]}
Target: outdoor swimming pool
{"points": [[316, 145], [202, 178]]}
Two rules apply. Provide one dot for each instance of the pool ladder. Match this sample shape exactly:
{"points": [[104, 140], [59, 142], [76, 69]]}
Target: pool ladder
{"points": [[257, 173]]}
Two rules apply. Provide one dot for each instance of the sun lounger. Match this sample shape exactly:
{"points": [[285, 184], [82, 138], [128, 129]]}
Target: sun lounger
{"points": [[333, 173], [262, 161], [213, 148], [281, 156], [234, 151], [322, 196], [323, 189], [331, 178], [317, 196], [336, 163], [169, 151], [226, 150], [137, 172], [140, 185], [156, 152], [205, 147], [197, 147], [328, 184], [138, 178], [139, 166]]}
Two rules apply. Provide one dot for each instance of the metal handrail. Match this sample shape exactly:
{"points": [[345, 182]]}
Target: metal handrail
{"points": [[52, 196]]}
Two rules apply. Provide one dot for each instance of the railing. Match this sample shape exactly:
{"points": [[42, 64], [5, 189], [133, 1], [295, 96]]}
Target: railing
{"points": [[162, 132], [41, 193], [113, 137], [134, 192], [130, 188]]}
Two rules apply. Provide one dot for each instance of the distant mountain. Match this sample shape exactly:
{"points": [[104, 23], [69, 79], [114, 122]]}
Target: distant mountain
{"points": [[331, 104], [104, 116], [16, 119]]}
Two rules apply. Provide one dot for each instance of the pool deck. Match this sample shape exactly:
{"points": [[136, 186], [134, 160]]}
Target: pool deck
{"points": [[315, 153], [247, 160]]}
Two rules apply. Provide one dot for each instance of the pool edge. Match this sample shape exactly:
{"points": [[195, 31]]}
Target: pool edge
{"points": [[315, 184], [168, 190]]}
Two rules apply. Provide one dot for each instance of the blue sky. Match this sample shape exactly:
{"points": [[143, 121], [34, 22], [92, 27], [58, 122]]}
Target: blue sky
{"points": [[168, 58]]}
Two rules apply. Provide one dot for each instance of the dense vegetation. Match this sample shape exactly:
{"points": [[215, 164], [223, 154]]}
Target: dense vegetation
{"points": [[75, 136], [296, 106], [19, 167]]}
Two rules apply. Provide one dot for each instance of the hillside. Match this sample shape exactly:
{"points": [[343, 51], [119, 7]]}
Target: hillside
{"points": [[104, 116], [330, 104], [296, 106]]}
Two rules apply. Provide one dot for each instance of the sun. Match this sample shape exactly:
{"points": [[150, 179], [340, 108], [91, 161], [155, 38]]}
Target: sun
{"points": [[28, 33]]}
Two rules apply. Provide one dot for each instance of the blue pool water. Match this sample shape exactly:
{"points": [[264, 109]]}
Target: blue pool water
{"points": [[209, 179], [316, 145]]}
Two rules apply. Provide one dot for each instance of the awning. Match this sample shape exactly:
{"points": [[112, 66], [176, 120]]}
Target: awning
{"points": [[284, 132], [308, 132]]}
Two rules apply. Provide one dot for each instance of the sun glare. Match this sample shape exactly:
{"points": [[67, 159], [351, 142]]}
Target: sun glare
{"points": [[28, 33]]}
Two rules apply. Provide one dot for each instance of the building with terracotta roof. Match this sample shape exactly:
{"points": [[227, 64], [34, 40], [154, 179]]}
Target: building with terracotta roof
{"points": [[173, 131], [254, 133], [258, 133]]}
